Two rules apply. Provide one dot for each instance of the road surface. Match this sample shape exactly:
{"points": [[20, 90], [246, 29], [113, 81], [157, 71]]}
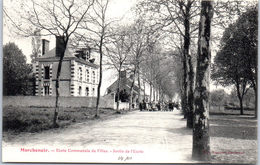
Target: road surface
{"points": [[132, 137]]}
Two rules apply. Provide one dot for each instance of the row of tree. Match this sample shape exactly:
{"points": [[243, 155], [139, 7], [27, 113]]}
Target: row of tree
{"points": [[183, 65], [236, 60]]}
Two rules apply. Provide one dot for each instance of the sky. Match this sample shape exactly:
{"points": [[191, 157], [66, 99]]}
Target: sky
{"points": [[117, 9]]}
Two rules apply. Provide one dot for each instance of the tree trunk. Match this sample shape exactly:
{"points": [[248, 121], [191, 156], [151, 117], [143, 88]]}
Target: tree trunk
{"points": [[144, 92], [57, 86], [240, 98], [139, 85], [158, 93], [131, 91], [189, 107], [241, 106], [201, 147], [154, 93], [255, 91], [185, 86], [100, 77], [256, 104], [190, 112], [150, 99], [118, 90]]}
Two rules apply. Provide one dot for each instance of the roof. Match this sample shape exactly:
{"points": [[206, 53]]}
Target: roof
{"points": [[51, 55], [126, 85]]}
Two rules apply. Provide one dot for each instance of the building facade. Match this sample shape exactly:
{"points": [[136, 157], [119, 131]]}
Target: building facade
{"points": [[79, 75]]}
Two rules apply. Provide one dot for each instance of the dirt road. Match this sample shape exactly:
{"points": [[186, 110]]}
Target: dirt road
{"points": [[133, 137]]}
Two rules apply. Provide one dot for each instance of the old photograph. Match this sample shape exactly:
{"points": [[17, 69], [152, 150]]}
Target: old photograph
{"points": [[130, 81]]}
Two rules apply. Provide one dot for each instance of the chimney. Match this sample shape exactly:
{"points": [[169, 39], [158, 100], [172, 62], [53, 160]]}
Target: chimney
{"points": [[88, 53], [60, 49], [45, 46]]}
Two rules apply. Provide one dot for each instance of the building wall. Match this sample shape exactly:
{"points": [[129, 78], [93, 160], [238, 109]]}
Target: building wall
{"points": [[49, 101], [65, 69], [64, 88], [71, 78], [81, 79], [64, 78]]}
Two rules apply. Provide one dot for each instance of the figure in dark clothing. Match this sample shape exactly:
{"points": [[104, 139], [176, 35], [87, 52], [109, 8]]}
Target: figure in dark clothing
{"points": [[170, 106], [142, 105], [158, 105]]}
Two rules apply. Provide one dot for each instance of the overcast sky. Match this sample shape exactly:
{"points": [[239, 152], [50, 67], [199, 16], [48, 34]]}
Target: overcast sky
{"points": [[117, 8]]}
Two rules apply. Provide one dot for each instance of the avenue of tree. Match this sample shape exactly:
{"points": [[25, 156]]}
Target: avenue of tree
{"points": [[171, 52]]}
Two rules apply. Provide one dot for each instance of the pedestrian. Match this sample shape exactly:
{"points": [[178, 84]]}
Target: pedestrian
{"points": [[141, 106], [144, 105]]}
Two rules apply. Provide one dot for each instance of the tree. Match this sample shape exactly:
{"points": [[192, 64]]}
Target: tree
{"points": [[249, 97], [201, 148], [218, 97], [236, 62], [60, 18], [97, 34], [139, 32], [15, 71], [179, 18], [118, 52]]}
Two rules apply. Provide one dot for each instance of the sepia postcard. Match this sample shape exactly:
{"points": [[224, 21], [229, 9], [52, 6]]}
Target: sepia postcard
{"points": [[130, 81]]}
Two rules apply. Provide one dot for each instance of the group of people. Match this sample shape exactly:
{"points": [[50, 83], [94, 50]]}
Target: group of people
{"points": [[160, 106]]}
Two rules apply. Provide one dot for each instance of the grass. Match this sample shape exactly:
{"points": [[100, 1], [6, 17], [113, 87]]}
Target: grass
{"points": [[18, 120], [231, 111], [232, 132]]}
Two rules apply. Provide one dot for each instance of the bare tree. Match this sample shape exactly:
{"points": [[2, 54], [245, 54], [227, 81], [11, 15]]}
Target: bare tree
{"points": [[60, 18], [179, 18], [118, 52], [201, 147], [139, 34], [97, 34]]}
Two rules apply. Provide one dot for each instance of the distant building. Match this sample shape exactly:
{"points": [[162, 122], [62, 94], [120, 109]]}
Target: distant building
{"points": [[79, 74], [125, 88]]}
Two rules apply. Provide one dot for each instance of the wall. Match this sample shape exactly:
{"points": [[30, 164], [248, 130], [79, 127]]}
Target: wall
{"points": [[64, 88], [64, 77], [84, 83], [48, 101], [122, 105]]}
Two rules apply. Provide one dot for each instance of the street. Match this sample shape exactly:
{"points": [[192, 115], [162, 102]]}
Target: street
{"points": [[133, 137]]}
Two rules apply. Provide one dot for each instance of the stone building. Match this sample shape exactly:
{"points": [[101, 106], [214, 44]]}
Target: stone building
{"points": [[125, 86], [79, 74]]}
